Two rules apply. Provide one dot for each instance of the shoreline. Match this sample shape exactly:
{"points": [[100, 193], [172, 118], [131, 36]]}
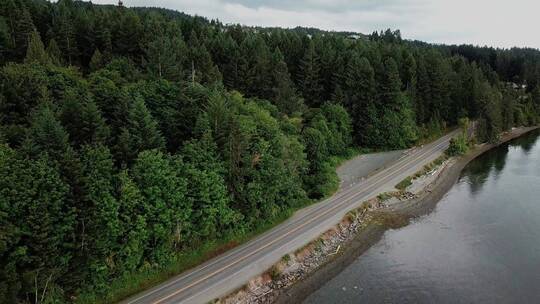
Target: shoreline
{"points": [[398, 214]]}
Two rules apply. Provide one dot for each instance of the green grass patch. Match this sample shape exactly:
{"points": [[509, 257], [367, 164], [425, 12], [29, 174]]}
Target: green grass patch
{"points": [[286, 258], [274, 273], [406, 182], [429, 167], [384, 196]]}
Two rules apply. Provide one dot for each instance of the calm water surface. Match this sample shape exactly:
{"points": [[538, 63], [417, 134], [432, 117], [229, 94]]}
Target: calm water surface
{"points": [[480, 245]]}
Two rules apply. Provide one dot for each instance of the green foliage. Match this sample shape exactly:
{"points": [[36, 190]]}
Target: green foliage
{"points": [[165, 58], [96, 62], [167, 208], [100, 216], [35, 225], [140, 133], [434, 164], [36, 51], [339, 126], [309, 79], [385, 196], [490, 119], [46, 134], [54, 52], [212, 215], [406, 182], [458, 146], [396, 127], [170, 137], [360, 98], [284, 93], [133, 223]]}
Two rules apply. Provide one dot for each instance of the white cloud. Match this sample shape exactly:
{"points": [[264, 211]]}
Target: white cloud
{"points": [[483, 22]]}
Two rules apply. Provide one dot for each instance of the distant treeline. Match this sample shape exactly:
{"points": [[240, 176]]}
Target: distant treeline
{"points": [[131, 136]]}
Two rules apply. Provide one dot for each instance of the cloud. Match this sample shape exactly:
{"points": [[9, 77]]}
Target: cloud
{"points": [[481, 22]]}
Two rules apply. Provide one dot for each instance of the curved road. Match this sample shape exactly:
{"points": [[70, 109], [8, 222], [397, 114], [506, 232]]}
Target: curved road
{"points": [[233, 269]]}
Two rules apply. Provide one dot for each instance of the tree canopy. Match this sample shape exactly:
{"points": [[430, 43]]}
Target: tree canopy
{"points": [[131, 136]]}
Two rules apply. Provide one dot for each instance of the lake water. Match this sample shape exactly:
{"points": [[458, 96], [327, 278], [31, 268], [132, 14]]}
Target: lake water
{"points": [[480, 245]]}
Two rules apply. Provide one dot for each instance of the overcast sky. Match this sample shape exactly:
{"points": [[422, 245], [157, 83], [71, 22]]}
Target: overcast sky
{"points": [[500, 23]]}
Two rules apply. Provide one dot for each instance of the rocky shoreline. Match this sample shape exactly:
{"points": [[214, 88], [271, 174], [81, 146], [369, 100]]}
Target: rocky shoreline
{"points": [[300, 273]]}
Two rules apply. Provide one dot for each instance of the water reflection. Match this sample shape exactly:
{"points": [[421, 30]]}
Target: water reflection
{"points": [[489, 164], [526, 143]]}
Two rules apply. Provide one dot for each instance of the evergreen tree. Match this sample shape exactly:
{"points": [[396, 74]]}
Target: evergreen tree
{"points": [[8, 19], [24, 27], [397, 127], [535, 95], [490, 120], [46, 134], [83, 120], [54, 52], [309, 78], [359, 98], [141, 133], [65, 36], [508, 108], [103, 37], [283, 91], [165, 58], [5, 47], [317, 153], [408, 72], [422, 93], [256, 72], [36, 51], [96, 62], [201, 67]]}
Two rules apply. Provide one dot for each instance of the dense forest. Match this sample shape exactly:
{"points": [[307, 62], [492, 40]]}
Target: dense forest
{"points": [[129, 136]]}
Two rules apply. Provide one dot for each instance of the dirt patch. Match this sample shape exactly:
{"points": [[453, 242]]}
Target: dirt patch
{"points": [[390, 220]]}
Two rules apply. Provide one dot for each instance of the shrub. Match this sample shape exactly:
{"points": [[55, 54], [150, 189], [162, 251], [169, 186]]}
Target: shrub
{"points": [[458, 146]]}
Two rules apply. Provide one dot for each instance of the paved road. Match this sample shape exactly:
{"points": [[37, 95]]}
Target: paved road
{"points": [[236, 267]]}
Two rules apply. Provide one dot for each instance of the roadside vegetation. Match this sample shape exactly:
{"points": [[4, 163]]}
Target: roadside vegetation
{"points": [[406, 182], [458, 146], [138, 142], [431, 166]]}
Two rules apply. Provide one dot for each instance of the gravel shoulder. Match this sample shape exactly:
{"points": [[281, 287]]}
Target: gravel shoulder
{"points": [[360, 167]]}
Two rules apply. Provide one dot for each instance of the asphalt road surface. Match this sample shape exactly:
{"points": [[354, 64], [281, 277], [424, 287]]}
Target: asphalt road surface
{"points": [[233, 269]]}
